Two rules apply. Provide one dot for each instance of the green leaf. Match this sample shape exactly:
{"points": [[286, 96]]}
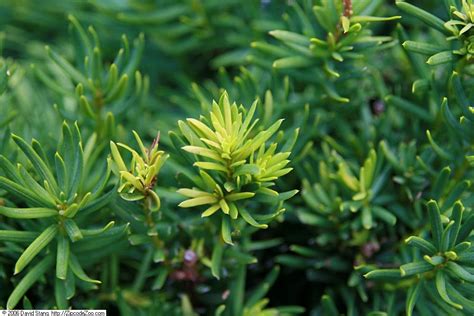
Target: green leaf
{"points": [[262, 289], [367, 217], [466, 257], [205, 152], [117, 157], [27, 213], [210, 166], [84, 39], [62, 257], [420, 86], [211, 210], [186, 306], [388, 153], [249, 219], [329, 307], [77, 166], [292, 261], [460, 272], [71, 151], [119, 90], [134, 60], [441, 58], [78, 271], [203, 131], [415, 268], [239, 196], [30, 183], [25, 194], [17, 236], [323, 18], [367, 172], [457, 213], [241, 257], [246, 169], [97, 231], [435, 221], [4, 74], [466, 229], [446, 237], [425, 246], [346, 23], [160, 278], [384, 275], [292, 62], [159, 255], [219, 310], [226, 230], [72, 230], [290, 310], [76, 75], [49, 82], [35, 247], [410, 107], [10, 170], [28, 280], [422, 48], [238, 290], [85, 105], [96, 65], [440, 282], [61, 172], [467, 304], [434, 260], [461, 96], [461, 247], [440, 183], [103, 241], [412, 297], [283, 196], [291, 37], [217, 259], [438, 150], [365, 19], [27, 303], [72, 209], [198, 201], [424, 16], [233, 211], [384, 215], [60, 294], [312, 219], [455, 194], [99, 202]]}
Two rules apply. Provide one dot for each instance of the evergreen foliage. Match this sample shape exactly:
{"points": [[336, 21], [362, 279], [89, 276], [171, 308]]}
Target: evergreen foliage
{"points": [[237, 158]]}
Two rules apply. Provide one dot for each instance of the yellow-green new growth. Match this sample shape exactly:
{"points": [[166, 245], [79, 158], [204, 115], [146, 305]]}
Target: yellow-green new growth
{"points": [[226, 140], [465, 18], [462, 28], [234, 159], [138, 180]]}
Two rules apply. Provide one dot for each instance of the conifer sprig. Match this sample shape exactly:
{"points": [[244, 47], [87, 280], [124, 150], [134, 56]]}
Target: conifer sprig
{"points": [[234, 159]]}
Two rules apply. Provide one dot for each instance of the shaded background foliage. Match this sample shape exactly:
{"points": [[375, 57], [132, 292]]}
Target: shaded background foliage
{"points": [[378, 94]]}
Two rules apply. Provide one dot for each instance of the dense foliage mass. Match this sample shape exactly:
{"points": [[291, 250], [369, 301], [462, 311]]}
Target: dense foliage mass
{"points": [[237, 158]]}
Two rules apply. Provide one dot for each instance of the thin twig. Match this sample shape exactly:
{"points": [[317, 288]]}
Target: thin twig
{"points": [[347, 8]]}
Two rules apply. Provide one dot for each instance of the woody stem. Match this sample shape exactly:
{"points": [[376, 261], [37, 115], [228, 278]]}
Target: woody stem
{"points": [[347, 8]]}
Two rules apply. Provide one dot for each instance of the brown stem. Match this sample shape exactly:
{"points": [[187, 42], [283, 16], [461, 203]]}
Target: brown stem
{"points": [[347, 8], [347, 12]]}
